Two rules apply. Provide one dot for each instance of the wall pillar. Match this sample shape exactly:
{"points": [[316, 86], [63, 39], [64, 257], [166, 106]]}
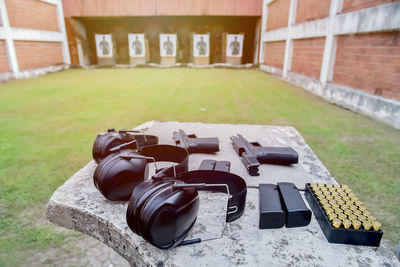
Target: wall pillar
{"points": [[289, 41], [263, 29], [328, 60], [61, 27], [9, 42]]}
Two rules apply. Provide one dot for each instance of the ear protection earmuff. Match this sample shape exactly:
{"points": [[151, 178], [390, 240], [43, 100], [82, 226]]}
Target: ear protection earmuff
{"points": [[104, 142], [163, 210], [120, 172]]}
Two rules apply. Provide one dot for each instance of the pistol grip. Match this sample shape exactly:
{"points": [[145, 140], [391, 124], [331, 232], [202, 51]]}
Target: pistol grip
{"points": [[251, 163]]}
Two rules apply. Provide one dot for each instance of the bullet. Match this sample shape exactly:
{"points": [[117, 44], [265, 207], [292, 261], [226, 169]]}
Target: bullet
{"points": [[332, 216], [362, 208], [323, 201], [356, 224], [367, 213], [338, 211], [338, 197], [327, 206], [367, 225], [376, 225], [346, 224], [359, 203], [335, 205], [332, 201], [345, 207], [336, 223], [342, 216], [337, 186], [345, 198], [353, 197], [349, 212], [329, 197], [329, 210], [340, 202], [362, 218], [326, 193], [317, 192], [334, 193], [357, 212], [353, 207], [347, 190], [352, 217]]}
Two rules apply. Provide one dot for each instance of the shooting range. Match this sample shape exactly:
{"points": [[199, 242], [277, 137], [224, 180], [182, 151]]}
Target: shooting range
{"points": [[200, 133]]}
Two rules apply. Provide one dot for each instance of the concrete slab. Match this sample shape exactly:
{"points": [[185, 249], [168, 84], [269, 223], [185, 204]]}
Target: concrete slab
{"points": [[78, 205]]}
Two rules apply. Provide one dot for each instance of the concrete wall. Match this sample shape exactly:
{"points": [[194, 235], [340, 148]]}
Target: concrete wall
{"points": [[346, 51], [32, 38]]}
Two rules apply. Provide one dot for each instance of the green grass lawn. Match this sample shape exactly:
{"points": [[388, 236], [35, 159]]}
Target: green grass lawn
{"points": [[48, 125]]}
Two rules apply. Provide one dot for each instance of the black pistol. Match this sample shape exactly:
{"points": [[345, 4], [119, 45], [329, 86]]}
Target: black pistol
{"points": [[253, 154], [194, 144]]}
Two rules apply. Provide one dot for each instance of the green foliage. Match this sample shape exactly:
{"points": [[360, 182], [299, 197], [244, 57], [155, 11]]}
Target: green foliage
{"points": [[48, 125]]}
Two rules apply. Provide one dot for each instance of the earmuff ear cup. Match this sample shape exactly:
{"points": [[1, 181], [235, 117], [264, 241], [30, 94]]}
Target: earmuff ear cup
{"points": [[104, 142], [116, 177], [102, 166], [139, 196], [167, 215]]}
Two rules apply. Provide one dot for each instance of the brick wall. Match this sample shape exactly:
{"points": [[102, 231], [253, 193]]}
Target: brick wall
{"points": [[307, 56], [278, 13], [32, 55], [3, 58], [352, 5], [308, 10], [370, 62], [274, 54], [32, 14]]}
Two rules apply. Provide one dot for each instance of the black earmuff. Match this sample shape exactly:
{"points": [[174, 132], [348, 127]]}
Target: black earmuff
{"points": [[104, 142], [163, 211], [120, 172], [161, 214]]}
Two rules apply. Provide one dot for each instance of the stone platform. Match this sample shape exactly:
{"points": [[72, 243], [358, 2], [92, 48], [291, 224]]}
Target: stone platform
{"points": [[78, 205]]}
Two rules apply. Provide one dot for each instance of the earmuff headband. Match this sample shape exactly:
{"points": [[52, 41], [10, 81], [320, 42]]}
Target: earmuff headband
{"points": [[224, 182], [168, 153]]}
